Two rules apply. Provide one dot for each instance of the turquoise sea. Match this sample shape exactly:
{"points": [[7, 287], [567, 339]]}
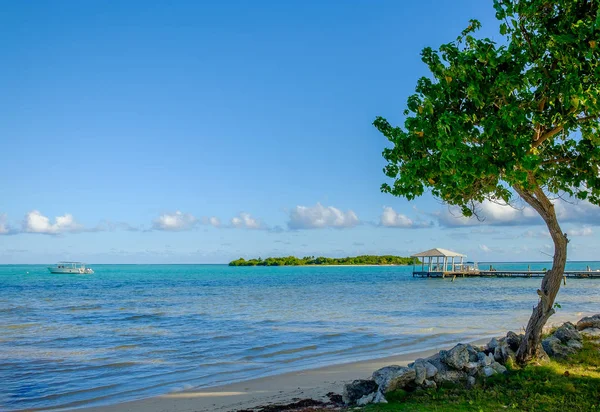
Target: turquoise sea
{"points": [[134, 331]]}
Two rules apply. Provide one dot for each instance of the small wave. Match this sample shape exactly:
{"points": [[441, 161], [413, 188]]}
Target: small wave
{"points": [[21, 325], [261, 348], [282, 352], [83, 308], [149, 316], [116, 365], [13, 309], [125, 347]]}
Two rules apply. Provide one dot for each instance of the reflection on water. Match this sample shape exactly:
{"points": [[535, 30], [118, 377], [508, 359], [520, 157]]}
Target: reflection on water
{"points": [[132, 331]]}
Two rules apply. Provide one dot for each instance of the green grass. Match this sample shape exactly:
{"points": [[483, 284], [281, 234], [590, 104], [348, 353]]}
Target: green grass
{"points": [[570, 385]]}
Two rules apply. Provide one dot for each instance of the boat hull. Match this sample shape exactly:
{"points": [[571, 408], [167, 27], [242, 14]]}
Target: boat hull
{"points": [[65, 270]]}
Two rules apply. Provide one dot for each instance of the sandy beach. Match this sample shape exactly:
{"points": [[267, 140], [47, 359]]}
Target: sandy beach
{"points": [[278, 389]]}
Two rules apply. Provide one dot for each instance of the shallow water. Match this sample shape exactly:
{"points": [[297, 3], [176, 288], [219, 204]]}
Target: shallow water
{"points": [[133, 331]]}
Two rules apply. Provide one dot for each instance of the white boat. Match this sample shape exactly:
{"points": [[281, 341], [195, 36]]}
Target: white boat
{"points": [[78, 268]]}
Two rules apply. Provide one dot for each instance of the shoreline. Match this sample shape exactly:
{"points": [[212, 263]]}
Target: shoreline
{"points": [[283, 388]]}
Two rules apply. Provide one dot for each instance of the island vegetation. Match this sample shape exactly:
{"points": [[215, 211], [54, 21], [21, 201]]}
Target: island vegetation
{"points": [[324, 261]]}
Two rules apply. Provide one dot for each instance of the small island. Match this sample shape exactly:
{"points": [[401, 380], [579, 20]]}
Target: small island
{"points": [[324, 261]]}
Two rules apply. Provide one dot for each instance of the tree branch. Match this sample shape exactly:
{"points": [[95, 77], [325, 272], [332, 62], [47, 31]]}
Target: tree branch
{"points": [[585, 118], [546, 136]]}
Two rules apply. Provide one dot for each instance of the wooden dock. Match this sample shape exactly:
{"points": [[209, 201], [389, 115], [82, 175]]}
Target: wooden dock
{"points": [[581, 274]]}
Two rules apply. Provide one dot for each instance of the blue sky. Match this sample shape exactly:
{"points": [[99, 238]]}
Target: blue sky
{"points": [[193, 131]]}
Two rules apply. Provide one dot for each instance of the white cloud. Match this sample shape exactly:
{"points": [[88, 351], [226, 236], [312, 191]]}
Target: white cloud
{"points": [[485, 248], [3, 225], [495, 214], [390, 218], [175, 222], [212, 221], [35, 222], [579, 212], [319, 216], [245, 221], [584, 231], [536, 233], [491, 213]]}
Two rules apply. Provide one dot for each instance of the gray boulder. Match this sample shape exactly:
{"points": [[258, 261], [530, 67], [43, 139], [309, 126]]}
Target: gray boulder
{"points": [[472, 368], [472, 353], [498, 367], [555, 348], [379, 398], [589, 322], [575, 344], [471, 381], [488, 371], [391, 378], [450, 376], [429, 384], [491, 346], [503, 352], [484, 360], [423, 370], [436, 361], [567, 332], [367, 399], [513, 340], [357, 390], [457, 357], [590, 332]]}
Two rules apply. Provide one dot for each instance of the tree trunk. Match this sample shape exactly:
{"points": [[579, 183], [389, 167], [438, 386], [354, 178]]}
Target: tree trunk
{"points": [[530, 347]]}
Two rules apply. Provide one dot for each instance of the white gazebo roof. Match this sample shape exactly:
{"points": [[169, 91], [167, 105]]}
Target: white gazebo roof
{"points": [[438, 252]]}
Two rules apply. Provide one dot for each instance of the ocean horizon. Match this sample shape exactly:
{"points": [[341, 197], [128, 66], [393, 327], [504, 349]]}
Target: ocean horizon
{"points": [[132, 331]]}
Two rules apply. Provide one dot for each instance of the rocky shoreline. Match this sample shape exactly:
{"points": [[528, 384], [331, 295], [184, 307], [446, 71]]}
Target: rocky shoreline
{"points": [[464, 364]]}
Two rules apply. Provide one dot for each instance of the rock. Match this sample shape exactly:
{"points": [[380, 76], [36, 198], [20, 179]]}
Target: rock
{"points": [[393, 377], [457, 357], [423, 370], [481, 359], [492, 344], [472, 353], [471, 381], [451, 376], [589, 322], [420, 372], [438, 364], [357, 390], [590, 332], [485, 360], [488, 371], [575, 344], [554, 347], [367, 399], [430, 370], [567, 332], [513, 340], [498, 367], [401, 381], [472, 368], [379, 398], [503, 352], [427, 384]]}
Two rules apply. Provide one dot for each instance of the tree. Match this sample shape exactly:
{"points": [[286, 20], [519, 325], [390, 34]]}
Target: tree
{"points": [[522, 114]]}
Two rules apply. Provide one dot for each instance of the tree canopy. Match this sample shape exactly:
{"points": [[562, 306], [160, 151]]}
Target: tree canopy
{"points": [[491, 116], [521, 115]]}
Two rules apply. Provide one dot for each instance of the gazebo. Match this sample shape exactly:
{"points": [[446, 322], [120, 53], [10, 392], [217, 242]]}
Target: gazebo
{"points": [[439, 262]]}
